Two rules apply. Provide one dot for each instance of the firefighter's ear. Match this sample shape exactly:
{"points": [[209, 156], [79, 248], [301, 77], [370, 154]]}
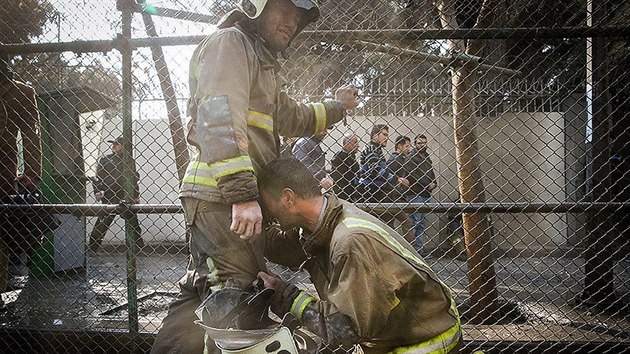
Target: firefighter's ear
{"points": [[288, 197]]}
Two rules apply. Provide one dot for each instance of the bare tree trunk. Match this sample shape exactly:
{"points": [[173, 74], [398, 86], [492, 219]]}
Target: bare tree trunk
{"points": [[481, 275], [174, 118]]}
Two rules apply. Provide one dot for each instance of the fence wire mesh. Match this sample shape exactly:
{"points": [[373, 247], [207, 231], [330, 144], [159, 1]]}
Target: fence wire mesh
{"points": [[518, 122]]}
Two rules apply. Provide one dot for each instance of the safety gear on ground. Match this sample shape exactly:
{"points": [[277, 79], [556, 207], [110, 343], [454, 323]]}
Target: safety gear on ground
{"points": [[256, 341], [235, 308], [279, 339]]}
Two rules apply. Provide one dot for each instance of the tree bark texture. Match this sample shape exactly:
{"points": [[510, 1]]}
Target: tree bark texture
{"points": [[481, 274]]}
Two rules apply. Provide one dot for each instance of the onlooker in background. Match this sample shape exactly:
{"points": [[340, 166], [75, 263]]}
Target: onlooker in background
{"points": [[402, 147], [310, 153], [377, 180], [345, 169], [286, 147], [18, 114], [423, 182], [395, 163], [109, 188]]}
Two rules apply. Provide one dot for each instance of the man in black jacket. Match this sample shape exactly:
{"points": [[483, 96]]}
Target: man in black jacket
{"points": [[422, 182], [396, 164], [376, 178], [109, 188], [345, 169]]}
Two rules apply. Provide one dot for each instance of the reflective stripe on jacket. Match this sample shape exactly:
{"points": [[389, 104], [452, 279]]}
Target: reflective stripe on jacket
{"points": [[237, 111], [444, 343]]}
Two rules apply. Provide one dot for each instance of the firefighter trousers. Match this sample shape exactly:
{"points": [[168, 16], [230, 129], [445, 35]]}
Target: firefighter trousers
{"points": [[218, 259]]}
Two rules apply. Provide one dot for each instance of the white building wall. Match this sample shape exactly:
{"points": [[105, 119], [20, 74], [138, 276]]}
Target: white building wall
{"points": [[522, 159], [155, 161]]}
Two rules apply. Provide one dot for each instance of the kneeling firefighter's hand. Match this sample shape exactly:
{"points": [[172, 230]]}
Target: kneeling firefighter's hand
{"points": [[284, 294]]}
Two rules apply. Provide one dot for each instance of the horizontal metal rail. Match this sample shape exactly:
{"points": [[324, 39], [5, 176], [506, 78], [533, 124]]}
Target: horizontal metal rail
{"points": [[172, 13], [335, 36], [510, 208], [455, 60]]}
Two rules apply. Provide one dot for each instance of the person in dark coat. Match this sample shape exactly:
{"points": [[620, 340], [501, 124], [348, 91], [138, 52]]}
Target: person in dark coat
{"points": [[109, 188], [309, 152], [345, 169], [422, 183], [18, 114], [396, 164]]}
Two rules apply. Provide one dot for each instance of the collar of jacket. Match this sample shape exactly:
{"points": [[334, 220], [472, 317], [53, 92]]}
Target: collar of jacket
{"points": [[115, 156], [418, 153], [375, 146], [345, 152], [320, 238], [236, 18]]}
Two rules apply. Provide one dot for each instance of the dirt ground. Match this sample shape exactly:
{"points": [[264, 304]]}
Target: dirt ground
{"points": [[540, 292]]}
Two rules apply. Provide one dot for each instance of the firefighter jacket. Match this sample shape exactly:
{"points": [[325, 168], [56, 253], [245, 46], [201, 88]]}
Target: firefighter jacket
{"points": [[237, 111], [364, 270], [110, 178], [18, 113]]}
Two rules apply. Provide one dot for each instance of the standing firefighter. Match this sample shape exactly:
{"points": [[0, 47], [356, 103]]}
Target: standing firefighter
{"points": [[374, 288], [238, 112]]}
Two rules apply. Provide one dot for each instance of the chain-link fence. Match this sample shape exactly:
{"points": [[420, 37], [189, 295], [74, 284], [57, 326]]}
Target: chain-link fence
{"points": [[504, 126]]}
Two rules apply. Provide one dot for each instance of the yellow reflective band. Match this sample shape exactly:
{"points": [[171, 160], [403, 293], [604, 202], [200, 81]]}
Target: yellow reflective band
{"points": [[396, 302], [209, 174], [360, 223], [440, 344], [320, 116], [260, 120], [300, 303], [213, 275], [210, 182], [229, 166], [194, 70]]}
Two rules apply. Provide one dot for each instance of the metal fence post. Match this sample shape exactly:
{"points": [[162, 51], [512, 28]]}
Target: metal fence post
{"points": [[129, 187]]}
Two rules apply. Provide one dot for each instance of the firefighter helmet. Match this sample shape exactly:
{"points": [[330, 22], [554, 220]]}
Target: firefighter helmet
{"points": [[253, 9]]}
